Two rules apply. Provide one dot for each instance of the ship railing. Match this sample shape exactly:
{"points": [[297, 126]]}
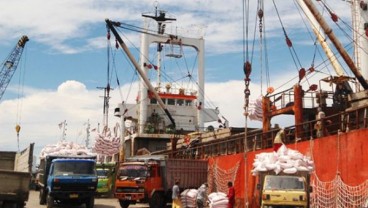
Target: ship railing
{"points": [[311, 99], [257, 139], [175, 90]]}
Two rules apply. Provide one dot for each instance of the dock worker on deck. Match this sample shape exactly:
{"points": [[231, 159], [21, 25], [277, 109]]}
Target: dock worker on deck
{"points": [[277, 143], [320, 124]]}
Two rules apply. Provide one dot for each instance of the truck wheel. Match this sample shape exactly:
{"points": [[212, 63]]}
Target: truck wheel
{"points": [[42, 197], [50, 201], [157, 201], [124, 203], [90, 202]]}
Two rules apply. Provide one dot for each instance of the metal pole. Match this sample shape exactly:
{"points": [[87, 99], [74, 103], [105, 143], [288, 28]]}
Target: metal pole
{"points": [[122, 136]]}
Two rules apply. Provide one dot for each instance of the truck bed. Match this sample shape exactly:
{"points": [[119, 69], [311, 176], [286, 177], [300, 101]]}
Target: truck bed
{"points": [[15, 174], [14, 185], [190, 173]]}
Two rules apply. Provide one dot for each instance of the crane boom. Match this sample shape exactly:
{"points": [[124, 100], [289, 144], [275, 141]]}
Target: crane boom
{"points": [[10, 64]]}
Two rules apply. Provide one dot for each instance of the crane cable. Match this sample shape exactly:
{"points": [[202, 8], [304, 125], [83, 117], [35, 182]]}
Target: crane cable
{"points": [[292, 51], [20, 95], [247, 67]]}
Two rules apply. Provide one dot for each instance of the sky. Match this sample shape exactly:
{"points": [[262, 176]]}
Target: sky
{"points": [[66, 59]]}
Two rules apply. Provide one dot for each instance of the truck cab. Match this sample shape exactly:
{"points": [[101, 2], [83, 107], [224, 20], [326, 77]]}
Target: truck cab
{"points": [[150, 178], [138, 182], [284, 191], [68, 181]]}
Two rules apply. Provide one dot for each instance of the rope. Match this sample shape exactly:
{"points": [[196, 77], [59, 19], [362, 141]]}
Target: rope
{"points": [[336, 193], [290, 46], [218, 178]]}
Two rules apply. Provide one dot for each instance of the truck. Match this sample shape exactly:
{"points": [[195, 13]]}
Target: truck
{"points": [[67, 180], [106, 178], [284, 190], [149, 179], [15, 177]]}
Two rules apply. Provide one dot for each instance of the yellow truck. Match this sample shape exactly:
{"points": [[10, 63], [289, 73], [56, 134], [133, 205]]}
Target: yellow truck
{"points": [[284, 190]]}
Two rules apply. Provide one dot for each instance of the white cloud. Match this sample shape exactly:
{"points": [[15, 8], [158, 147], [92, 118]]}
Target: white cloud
{"points": [[55, 23]]}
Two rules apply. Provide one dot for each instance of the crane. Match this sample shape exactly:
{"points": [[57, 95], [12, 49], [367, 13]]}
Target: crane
{"points": [[10, 64]]}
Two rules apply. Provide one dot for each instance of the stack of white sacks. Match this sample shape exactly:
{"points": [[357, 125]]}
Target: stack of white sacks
{"points": [[106, 143], [188, 198], [64, 148], [285, 160], [218, 200]]}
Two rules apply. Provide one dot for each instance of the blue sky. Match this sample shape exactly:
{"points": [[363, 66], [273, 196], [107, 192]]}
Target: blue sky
{"points": [[66, 59]]}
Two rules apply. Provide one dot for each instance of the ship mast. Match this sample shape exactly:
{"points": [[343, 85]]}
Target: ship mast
{"points": [[336, 43], [360, 27], [111, 25]]}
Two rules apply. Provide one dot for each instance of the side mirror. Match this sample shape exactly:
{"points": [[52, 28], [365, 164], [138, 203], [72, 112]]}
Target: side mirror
{"points": [[258, 186], [310, 189]]}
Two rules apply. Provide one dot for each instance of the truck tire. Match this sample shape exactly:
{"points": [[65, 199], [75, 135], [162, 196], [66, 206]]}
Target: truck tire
{"points": [[42, 197], [124, 203], [90, 203], [157, 201], [50, 201]]}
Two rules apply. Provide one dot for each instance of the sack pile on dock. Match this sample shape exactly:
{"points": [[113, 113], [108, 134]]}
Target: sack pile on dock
{"points": [[64, 148], [188, 198], [218, 200], [285, 160]]}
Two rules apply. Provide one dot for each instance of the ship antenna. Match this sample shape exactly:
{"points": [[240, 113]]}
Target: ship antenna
{"points": [[160, 18]]}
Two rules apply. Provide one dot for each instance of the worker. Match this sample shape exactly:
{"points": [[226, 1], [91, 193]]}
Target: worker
{"points": [[202, 196], [277, 143], [176, 203], [319, 126], [231, 195]]}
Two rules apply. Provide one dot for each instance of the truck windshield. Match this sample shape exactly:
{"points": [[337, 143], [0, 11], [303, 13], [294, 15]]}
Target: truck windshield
{"points": [[74, 168], [133, 171], [102, 173], [284, 183]]}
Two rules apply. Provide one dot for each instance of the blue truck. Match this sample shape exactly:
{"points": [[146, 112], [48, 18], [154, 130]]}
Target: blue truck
{"points": [[67, 180]]}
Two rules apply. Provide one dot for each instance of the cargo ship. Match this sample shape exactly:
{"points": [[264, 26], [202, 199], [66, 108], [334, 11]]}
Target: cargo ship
{"points": [[170, 122]]}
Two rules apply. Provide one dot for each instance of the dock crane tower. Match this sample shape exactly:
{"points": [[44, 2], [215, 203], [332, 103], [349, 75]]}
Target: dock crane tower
{"points": [[10, 64]]}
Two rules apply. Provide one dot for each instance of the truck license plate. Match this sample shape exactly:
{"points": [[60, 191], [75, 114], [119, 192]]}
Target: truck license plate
{"points": [[73, 196], [128, 197]]}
